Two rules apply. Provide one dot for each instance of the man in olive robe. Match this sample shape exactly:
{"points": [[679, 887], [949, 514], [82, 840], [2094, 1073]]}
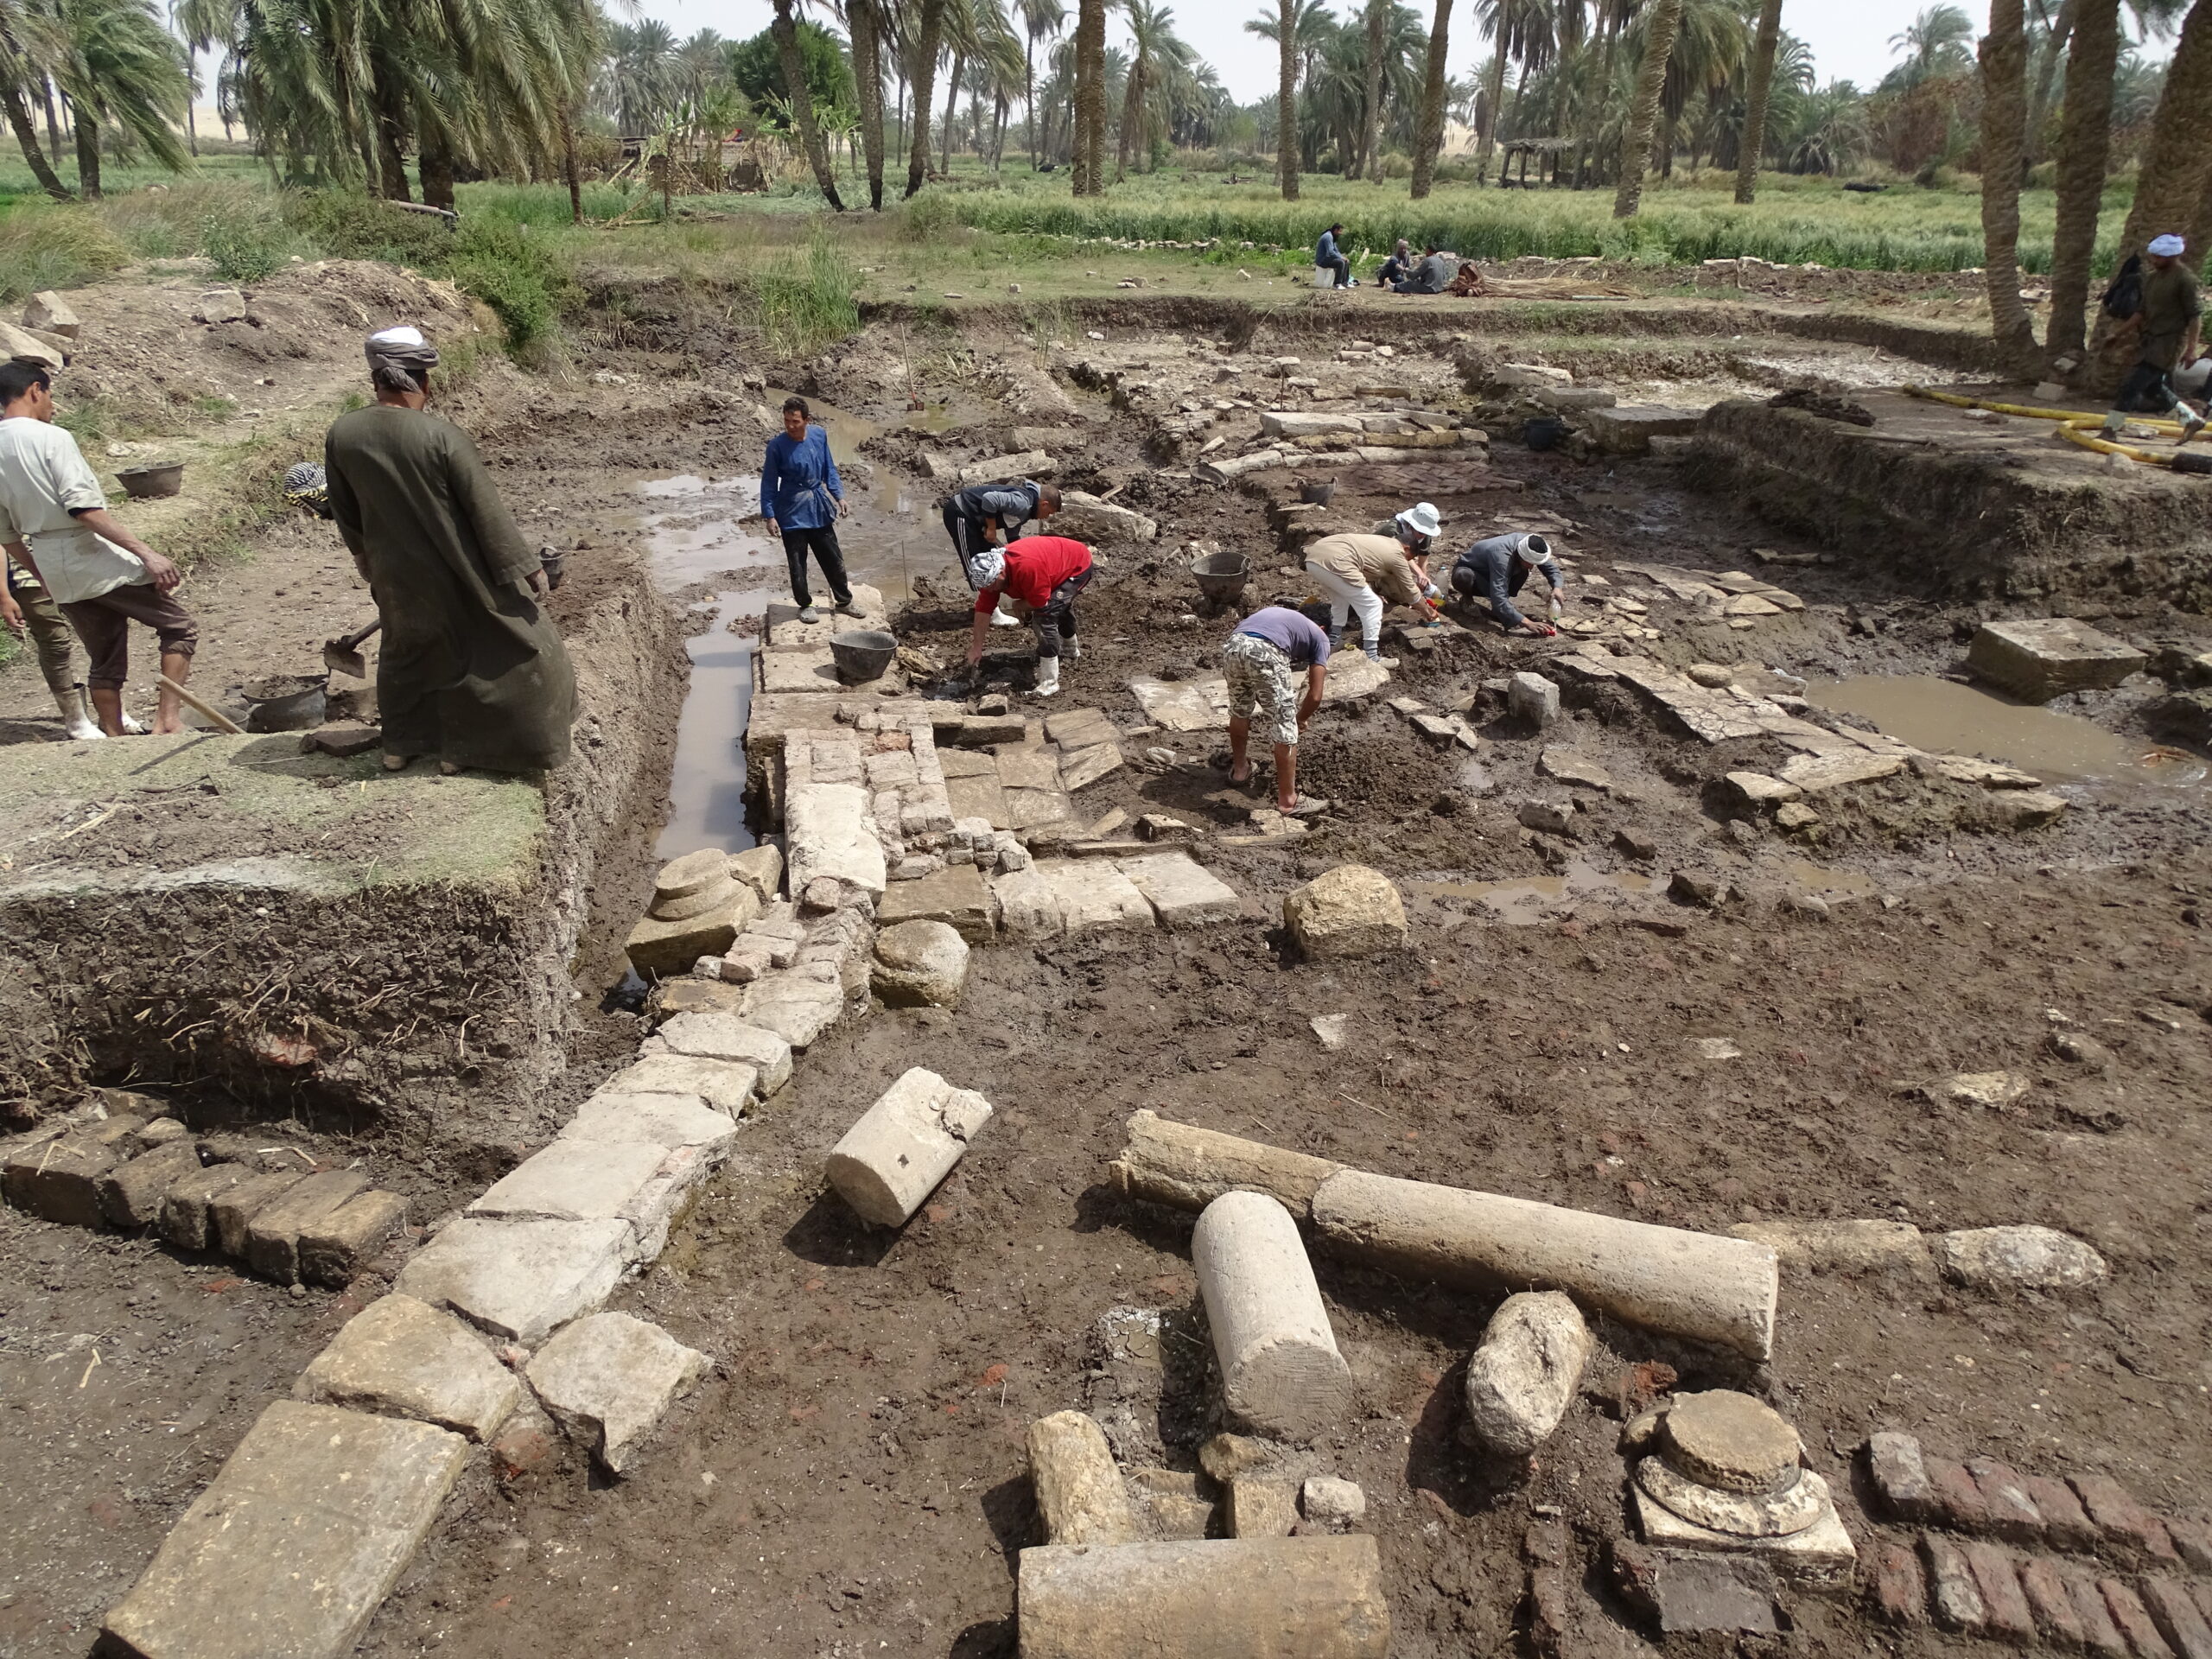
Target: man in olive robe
{"points": [[471, 669]]}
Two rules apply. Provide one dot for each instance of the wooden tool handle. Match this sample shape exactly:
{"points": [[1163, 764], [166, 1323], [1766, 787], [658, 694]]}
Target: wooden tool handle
{"points": [[223, 721]]}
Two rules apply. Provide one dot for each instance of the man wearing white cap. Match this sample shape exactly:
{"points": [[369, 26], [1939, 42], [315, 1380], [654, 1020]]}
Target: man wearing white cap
{"points": [[2169, 320], [1497, 567], [1417, 528]]}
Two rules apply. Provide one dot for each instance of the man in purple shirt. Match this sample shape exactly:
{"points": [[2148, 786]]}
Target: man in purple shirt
{"points": [[1258, 661]]}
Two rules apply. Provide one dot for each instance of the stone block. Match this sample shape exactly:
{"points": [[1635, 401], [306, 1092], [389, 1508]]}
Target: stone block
{"points": [[1027, 904], [2134, 1620], [1328, 1502], [187, 1223], [1003, 469], [2099, 1635], [726, 1085], [1627, 429], [1988, 1258], [272, 1235], [1759, 791], [2003, 1604], [797, 1008], [1952, 1590], [335, 1248], [2065, 1524], [1080, 768], [131, 1195], [573, 1181], [1096, 897], [920, 964], [1080, 1494], [519, 1279], [1812, 774], [2177, 1618], [893, 1159], [689, 995], [1841, 1246], [1263, 1506], [956, 895], [1298, 424], [666, 1121], [1820, 1555], [231, 1212], [1532, 699], [2048, 1605], [299, 1536], [1900, 1588], [49, 312], [830, 831], [719, 1036], [2013, 1514], [1088, 518], [1348, 911], [405, 1359], [61, 1179], [1524, 1374], [1183, 892], [609, 1379], [2123, 1524], [666, 949], [2041, 658], [760, 868]]}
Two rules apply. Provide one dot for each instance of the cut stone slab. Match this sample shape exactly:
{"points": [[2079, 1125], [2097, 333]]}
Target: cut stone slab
{"points": [[1183, 892], [956, 894], [787, 668], [974, 794], [1095, 896], [1569, 767], [519, 1279], [334, 1249], [1080, 768], [132, 1196], [1022, 767], [1992, 1257], [726, 1085], [893, 1159], [1088, 518], [608, 1380], [1694, 1592], [186, 1223], [920, 964], [2041, 658], [1813, 773], [1731, 1441], [302, 1534], [829, 830], [1759, 792], [1035, 808], [1350, 910], [666, 949], [60, 1179], [1080, 729], [1627, 429], [273, 1237], [999, 469], [573, 1180], [233, 1209], [405, 1359], [797, 1008], [1263, 1506], [726, 1037], [1028, 904], [1199, 705], [666, 1121]]}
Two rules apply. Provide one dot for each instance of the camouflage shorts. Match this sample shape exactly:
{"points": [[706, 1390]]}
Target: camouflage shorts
{"points": [[1259, 673]]}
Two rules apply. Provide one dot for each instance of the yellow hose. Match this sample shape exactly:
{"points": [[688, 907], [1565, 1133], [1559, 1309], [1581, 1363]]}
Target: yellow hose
{"points": [[2069, 417], [2077, 433]]}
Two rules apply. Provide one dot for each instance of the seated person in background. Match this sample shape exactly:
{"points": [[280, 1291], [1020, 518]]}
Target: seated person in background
{"points": [[1399, 265], [1433, 276], [1495, 568], [1327, 256]]}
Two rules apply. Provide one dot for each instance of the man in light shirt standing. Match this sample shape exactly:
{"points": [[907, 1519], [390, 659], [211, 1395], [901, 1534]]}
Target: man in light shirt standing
{"points": [[54, 519]]}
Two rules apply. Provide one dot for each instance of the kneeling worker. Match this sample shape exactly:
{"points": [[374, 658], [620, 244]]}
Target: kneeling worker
{"points": [[1267, 647], [1496, 569], [1044, 572]]}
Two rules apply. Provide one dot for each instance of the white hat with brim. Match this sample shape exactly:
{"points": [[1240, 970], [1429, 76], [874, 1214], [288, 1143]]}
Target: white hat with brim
{"points": [[1422, 520]]}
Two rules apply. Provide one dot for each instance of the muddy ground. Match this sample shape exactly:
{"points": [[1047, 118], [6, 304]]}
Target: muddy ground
{"points": [[849, 1479]]}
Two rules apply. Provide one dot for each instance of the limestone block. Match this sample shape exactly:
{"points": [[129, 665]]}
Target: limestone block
{"points": [[1759, 791], [49, 313], [14, 343], [1280, 1369], [333, 1250], [1188, 1168], [1088, 518], [1299, 423], [1005, 469], [1814, 772], [1263, 1506], [664, 950], [231, 1212], [728, 1036], [1533, 699], [1095, 896], [666, 1121], [2041, 658], [1319, 1597], [405, 1359], [573, 1181], [1183, 892], [132, 1196], [797, 1008], [185, 1221], [1524, 1376], [1350, 910], [608, 1380], [760, 868], [920, 964], [1328, 1502], [726, 1085], [60, 1178], [1629, 428], [1990, 1257], [1028, 904], [272, 1237], [299, 1536], [956, 895], [828, 832], [1820, 1554], [519, 1279], [1080, 1495], [904, 1145]]}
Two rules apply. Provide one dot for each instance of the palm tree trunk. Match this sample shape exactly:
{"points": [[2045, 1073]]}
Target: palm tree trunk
{"points": [[2003, 131], [2084, 148], [1754, 139], [1644, 112], [568, 169], [1029, 93], [951, 103], [391, 117], [1287, 98], [88, 152], [1089, 154], [434, 158], [19, 117], [868, 74], [1495, 96], [1371, 125], [1428, 136], [2061, 30], [2177, 164], [923, 73], [1131, 113], [785, 32]]}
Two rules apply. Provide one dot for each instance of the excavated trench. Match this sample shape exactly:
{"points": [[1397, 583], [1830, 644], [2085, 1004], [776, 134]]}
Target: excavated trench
{"points": [[850, 1475]]}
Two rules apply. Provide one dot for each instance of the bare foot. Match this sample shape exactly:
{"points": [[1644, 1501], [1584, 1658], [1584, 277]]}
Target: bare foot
{"points": [[167, 727], [447, 768], [1244, 777], [396, 762]]}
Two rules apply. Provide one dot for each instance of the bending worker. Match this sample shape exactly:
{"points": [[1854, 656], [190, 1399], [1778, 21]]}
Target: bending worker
{"points": [[1044, 572], [1268, 647], [2169, 323], [1358, 576], [990, 515], [1497, 566], [1417, 528]]}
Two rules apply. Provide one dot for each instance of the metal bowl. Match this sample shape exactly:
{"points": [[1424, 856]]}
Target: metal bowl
{"points": [[286, 703], [142, 482], [863, 654], [1222, 576]]}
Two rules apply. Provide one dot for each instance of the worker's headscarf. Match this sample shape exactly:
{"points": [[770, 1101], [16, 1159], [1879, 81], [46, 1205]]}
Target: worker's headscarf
{"points": [[988, 571], [2168, 246], [1534, 549], [399, 358]]}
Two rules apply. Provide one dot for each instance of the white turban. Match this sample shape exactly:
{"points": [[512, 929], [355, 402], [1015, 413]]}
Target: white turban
{"points": [[2168, 246], [398, 357]]}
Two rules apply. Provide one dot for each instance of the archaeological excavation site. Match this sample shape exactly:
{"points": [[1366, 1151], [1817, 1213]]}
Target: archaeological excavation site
{"points": [[1679, 1129]]}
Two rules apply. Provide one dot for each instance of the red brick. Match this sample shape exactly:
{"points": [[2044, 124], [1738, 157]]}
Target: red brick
{"points": [[2049, 1603], [2177, 1618], [2002, 1600], [2013, 1513], [1900, 1588], [2134, 1620], [2099, 1634], [2065, 1524], [1951, 1591], [2121, 1521], [1899, 1472], [1959, 1502], [2192, 1536]]}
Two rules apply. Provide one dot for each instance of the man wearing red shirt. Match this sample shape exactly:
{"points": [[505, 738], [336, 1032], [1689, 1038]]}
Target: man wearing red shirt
{"points": [[1044, 572]]}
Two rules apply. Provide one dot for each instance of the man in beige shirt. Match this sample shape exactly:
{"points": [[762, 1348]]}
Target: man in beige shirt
{"points": [[1359, 575], [54, 521]]}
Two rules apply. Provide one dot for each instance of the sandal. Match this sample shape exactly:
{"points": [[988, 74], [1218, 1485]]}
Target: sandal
{"points": [[1304, 807]]}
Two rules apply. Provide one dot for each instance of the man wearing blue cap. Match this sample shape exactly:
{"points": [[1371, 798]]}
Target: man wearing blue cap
{"points": [[2169, 322]]}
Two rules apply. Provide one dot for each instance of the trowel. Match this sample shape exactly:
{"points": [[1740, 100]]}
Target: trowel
{"points": [[343, 655]]}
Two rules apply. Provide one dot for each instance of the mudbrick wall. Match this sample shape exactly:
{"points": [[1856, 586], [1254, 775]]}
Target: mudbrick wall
{"points": [[439, 1008]]}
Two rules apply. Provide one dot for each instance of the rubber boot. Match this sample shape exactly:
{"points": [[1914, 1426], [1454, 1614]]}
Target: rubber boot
{"points": [[1071, 647], [76, 715], [1048, 676], [1000, 620]]}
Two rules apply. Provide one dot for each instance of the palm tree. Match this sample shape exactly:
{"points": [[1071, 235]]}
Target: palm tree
{"points": [[1643, 108], [1090, 157], [1428, 136], [2003, 131], [864, 23], [2084, 147], [23, 55], [2171, 185], [119, 67], [1509, 24], [1376, 21], [641, 74], [1752, 141], [1150, 26], [1934, 45], [921, 72], [1041, 20], [1282, 29], [785, 29]]}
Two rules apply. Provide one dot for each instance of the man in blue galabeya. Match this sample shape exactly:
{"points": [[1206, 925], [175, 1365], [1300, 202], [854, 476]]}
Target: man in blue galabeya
{"points": [[801, 499]]}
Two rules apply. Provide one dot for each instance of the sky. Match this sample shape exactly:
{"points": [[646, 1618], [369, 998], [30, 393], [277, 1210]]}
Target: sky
{"points": [[1850, 38]]}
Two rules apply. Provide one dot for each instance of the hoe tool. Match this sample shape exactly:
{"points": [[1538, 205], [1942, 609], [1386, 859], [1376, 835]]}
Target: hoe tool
{"points": [[343, 655]]}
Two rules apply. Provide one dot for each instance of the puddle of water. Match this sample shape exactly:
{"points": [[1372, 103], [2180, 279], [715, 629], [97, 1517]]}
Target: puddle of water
{"points": [[706, 789], [1946, 717], [1825, 883], [1526, 899]]}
